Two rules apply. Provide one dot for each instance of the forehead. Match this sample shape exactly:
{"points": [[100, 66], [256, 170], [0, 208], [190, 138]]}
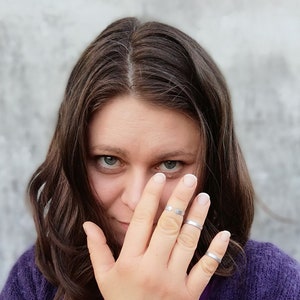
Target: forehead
{"points": [[127, 121]]}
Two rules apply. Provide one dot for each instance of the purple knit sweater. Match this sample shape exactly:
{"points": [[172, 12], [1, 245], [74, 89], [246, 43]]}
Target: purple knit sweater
{"points": [[268, 274]]}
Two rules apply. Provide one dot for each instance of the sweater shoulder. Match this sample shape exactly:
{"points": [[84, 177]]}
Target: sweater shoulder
{"points": [[271, 273], [25, 281], [264, 256], [264, 272]]}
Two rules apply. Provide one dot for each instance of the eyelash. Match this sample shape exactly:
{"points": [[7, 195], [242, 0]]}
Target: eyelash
{"points": [[108, 169], [180, 163], [103, 157]]}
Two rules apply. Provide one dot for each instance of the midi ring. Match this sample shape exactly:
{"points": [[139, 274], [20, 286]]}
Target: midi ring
{"points": [[213, 256], [193, 223], [177, 211]]}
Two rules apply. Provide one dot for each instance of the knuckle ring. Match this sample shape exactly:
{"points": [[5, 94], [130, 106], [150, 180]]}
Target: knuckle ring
{"points": [[194, 223], [213, 256], [177, 211]]}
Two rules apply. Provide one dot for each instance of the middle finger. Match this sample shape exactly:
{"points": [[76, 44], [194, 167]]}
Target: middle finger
{"points": [[166, 232], [189, 235]]}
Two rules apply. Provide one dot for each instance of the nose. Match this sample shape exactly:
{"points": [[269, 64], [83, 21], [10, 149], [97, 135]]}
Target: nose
{"points": [[134, 185]]}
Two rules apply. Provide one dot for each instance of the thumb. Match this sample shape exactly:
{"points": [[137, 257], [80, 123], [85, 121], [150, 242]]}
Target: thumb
{"points": [[100, 254]]}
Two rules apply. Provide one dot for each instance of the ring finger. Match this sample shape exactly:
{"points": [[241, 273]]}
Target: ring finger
{"points": [[188, 237]]}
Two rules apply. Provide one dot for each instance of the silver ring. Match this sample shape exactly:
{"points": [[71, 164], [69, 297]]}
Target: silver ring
{"points": [[193, 223], [177, 211], [213, 256]]}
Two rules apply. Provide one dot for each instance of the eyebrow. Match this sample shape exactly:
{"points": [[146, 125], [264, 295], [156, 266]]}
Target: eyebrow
{"points": [[176, 153], [160, 157], [106, 148]]}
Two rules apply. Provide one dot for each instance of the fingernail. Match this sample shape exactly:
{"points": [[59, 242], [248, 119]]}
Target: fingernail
{"points": [[159, 178], [84, 227], [225, 235], [189, 180], [203, 198]]}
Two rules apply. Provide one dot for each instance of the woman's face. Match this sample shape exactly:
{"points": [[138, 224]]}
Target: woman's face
{"points": [[129, 141]]}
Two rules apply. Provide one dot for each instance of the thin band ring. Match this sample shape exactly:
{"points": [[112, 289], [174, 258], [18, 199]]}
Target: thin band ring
{"points": [[193, 223], [213, 256], [177, 211]]}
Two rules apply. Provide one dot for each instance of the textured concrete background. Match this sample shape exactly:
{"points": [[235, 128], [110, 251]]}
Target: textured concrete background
{"points": [[256, 43]]}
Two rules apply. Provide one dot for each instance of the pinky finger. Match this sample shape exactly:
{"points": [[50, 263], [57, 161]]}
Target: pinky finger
{"points": [[208, 264]]}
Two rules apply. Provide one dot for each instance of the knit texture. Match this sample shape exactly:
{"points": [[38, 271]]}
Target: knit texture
{"points": [[266, 273], [26, 282]]}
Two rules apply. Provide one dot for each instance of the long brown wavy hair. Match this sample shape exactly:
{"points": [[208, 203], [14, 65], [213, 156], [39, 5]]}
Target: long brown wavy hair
{"points": [[161, 64]]}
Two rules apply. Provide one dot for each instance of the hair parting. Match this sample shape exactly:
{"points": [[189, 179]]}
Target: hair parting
{"points": [[162, 65]]}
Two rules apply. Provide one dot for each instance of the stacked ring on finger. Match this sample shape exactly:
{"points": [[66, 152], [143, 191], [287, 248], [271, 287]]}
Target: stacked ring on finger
{"points": [[177, 211], [213, 256], [193, 223]]}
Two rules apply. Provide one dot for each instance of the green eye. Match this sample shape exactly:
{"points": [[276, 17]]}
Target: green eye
{"points": [[109, 162], [170, 166]]}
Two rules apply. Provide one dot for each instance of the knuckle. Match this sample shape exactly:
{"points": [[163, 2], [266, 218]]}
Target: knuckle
{"points": [[188, 240], [169, 225], [181, 196], [141, 216], [208, 267]]}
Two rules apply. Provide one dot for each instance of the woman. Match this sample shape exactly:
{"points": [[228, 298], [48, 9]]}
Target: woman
{"points": [[144, 134]]}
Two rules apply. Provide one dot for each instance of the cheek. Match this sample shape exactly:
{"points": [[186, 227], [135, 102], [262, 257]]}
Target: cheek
{"points": [[106, 190], [168, 190]]}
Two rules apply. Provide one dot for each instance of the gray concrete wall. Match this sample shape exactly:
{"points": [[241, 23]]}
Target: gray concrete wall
{"points": [[256, 43]]}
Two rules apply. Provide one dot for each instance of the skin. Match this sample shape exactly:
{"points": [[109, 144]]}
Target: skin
{"points": [[130, 141], [143, 158]]}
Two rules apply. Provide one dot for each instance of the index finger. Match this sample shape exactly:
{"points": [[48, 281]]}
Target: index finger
{"points": [[141, 224]]}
